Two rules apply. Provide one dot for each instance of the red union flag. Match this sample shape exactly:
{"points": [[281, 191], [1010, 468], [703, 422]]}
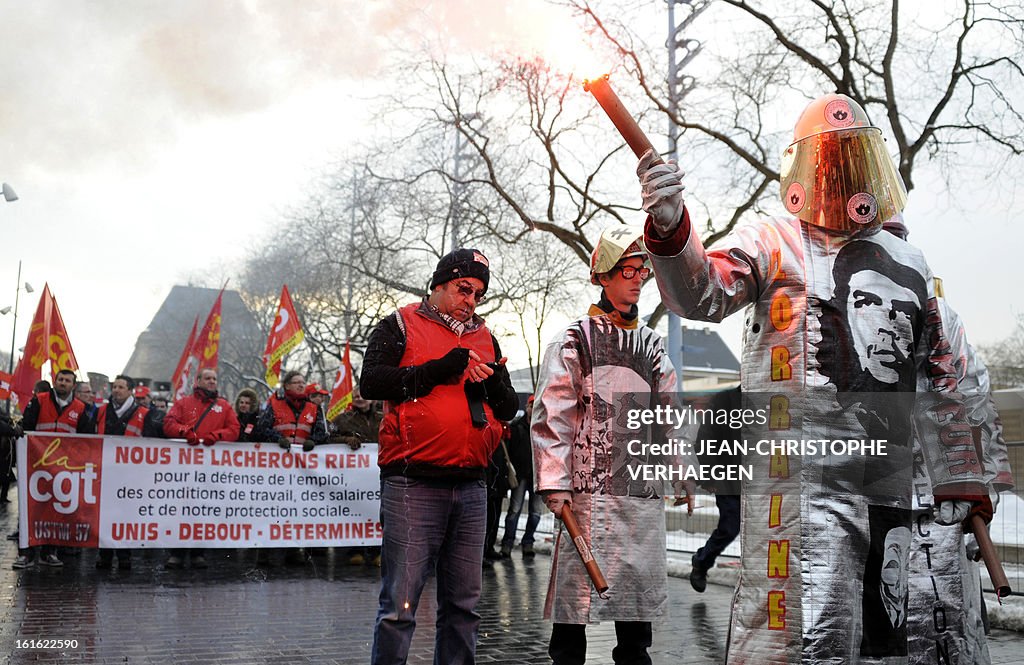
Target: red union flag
{"points": [[201, 353], [180, 379], [341, 393], [6, 380], [47, 341], [208, 342], [285, 335]]}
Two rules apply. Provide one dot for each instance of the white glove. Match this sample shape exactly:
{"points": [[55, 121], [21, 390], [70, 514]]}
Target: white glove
{"points": [[952, 511], [555, 500], [661, 187]]}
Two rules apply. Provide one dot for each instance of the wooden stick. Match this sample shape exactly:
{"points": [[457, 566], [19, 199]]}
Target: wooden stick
{"points": [[589, 562]]}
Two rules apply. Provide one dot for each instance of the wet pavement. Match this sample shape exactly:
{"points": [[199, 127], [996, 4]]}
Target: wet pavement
{"points": [[237, 613]]}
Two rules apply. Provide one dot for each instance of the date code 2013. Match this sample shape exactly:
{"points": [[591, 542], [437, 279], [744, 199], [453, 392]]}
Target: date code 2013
{"points": [[36, 643]]}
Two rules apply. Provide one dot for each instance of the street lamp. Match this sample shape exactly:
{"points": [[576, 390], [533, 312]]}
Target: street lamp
{"points": [[14, 329], [9, 194]]}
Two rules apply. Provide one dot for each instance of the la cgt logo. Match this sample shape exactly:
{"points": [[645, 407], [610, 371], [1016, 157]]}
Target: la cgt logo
{"points": [[64, 488]]}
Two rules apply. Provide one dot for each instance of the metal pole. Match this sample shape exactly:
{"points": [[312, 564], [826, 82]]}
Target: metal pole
{"points": [[675, 324], [352, 252], [14, 332], [677, 89], [456, 188]]}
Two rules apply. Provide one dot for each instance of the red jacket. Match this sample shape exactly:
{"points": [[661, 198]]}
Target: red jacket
{"points": [[220, 423], [436, 429]]}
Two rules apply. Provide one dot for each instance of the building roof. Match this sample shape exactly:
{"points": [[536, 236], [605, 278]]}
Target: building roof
{"points": [[705, 349], [160, 345]]}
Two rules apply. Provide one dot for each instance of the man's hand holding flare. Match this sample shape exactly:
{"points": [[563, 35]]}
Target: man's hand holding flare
{"points": [[661, 187]]}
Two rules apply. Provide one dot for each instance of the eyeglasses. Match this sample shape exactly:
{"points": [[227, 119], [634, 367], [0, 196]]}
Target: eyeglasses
{"points": [[629, 272], [465, 290]]}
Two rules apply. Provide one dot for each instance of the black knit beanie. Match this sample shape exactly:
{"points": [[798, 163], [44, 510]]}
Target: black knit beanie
{"points": [[461, 263]]}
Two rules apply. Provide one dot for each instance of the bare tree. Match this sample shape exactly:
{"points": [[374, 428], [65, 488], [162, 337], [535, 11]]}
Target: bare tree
{"points": [[935, 77], [1005, 359]]}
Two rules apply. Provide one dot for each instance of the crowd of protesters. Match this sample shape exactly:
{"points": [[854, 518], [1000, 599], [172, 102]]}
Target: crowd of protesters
{"points": [[293, 414]]}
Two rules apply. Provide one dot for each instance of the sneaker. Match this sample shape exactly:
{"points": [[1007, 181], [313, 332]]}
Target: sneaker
{"points": [[376, 561], [51, 560], [506, 551], [528, 550], [23, 561], [173, 563], [698, 576], [199, 562], [356, 560]]}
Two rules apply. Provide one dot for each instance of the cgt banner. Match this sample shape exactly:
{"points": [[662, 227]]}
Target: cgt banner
{"points": [[118, 492]]}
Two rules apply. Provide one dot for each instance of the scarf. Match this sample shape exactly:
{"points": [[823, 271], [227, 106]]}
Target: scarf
{"points": [[206, 395], [123, 408], [604, 307], [456, 326], [295, 400]]}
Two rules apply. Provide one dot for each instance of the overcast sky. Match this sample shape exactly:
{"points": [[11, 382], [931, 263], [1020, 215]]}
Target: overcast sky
{"points": [[154, 141]]}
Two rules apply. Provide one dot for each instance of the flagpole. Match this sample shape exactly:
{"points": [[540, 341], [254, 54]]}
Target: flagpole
{"points": [[14, 333]]}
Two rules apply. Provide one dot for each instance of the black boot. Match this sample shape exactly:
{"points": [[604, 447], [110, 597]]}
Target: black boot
{"points": [[698, 576]]}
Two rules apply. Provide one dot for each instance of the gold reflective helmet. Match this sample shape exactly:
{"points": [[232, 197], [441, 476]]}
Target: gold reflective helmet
{"points": [[836, 173], [616, 243]]}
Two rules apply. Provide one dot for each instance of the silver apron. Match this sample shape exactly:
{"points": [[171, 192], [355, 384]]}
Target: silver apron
{"points": [[587, 370]]}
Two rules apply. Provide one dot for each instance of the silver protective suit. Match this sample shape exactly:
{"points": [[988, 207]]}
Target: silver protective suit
{"points": [[838, 326], [945, 624], [590, 373]]}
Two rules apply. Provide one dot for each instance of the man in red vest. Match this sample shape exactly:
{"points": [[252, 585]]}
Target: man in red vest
{"points": [[291, 417], [54, 410], [204, 417], [447, 389], [124, 416]]}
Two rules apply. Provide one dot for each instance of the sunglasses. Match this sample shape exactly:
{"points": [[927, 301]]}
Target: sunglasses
{"points": [[465, 290], [629, 272]]}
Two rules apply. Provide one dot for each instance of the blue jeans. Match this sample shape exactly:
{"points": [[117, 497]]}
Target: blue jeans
{"points": [[515, 508], [430, 528]]}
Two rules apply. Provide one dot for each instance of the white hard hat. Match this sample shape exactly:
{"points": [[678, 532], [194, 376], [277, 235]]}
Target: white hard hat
{"points": [[616, 243]]}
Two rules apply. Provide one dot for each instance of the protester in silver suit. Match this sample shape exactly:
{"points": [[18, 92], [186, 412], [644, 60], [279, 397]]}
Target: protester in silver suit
{"points": [[945, 615], [824, 567], [601, 365]]}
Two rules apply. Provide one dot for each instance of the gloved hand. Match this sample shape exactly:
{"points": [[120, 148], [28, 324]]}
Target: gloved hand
{"points": [[284, 442], [959, 510], [190, 436], [209, 439], [18, 431], [307, 445], [661, 187], [449, 367], [353, 442], [952, 511], [555, 500]]}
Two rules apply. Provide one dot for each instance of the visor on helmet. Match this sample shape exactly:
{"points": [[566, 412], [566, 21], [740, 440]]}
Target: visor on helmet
{"points": [[842, 180]]}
